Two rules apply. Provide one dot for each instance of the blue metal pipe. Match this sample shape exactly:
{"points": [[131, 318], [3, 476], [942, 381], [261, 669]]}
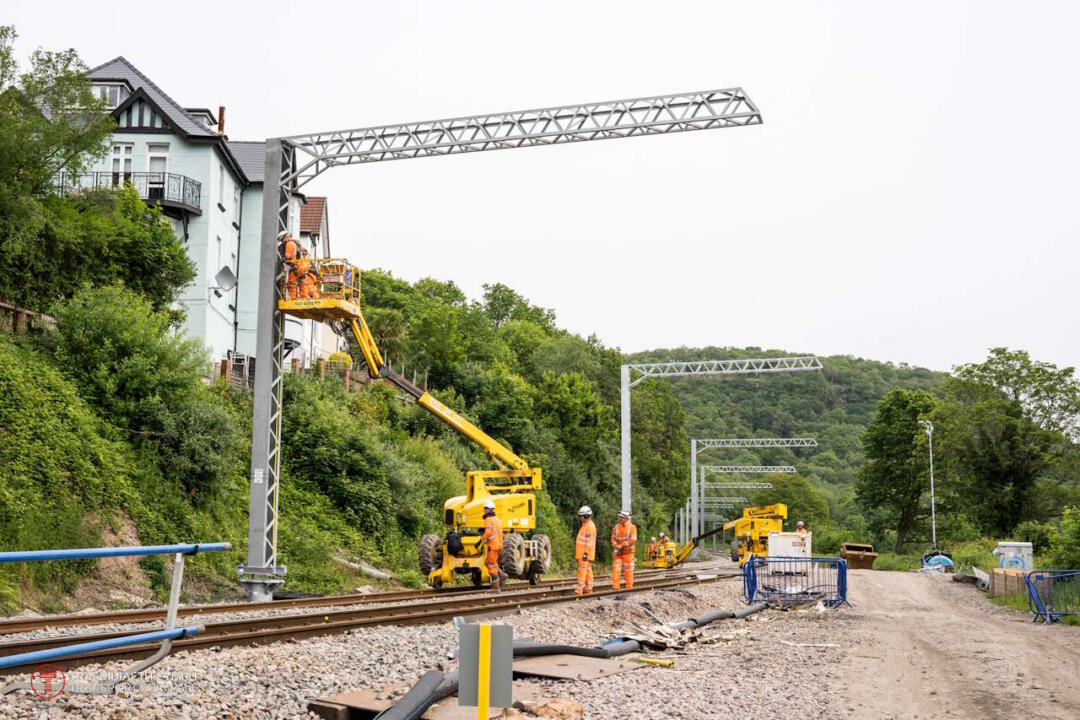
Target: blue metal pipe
{"points": [[84, 553], [40, 656]]}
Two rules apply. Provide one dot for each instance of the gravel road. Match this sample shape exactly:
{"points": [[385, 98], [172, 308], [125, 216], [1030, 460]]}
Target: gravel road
{"points": [[923, 646]]}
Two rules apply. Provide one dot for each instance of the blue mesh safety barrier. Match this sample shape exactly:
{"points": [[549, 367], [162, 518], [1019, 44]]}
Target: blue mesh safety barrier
{"points": [[1053, 594], [787, 581]]}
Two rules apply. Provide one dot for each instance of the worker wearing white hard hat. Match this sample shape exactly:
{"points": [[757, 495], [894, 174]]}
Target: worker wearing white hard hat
{"points": [[585, 552]]}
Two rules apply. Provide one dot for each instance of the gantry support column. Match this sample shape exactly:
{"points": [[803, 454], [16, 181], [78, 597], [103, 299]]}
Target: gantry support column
{"points": [[262, 574]]}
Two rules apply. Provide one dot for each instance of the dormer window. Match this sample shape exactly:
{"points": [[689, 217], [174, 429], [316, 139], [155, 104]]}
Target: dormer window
{"points": [[112, 93]]}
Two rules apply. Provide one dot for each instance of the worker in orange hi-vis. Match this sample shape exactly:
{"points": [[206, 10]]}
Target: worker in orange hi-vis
{"points": [[585, 551], [800, 528], [302, 266], [623, 545], [650, 550], [493, 544]]}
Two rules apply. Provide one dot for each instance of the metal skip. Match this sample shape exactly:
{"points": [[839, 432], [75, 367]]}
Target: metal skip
{"points": [[485, 667]]}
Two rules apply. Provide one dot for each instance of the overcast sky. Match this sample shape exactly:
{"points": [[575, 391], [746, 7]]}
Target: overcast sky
{"points": [[912, 195]]}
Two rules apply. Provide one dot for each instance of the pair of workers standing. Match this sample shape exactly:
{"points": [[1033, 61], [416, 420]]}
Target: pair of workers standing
{"points": [[301, 281], [623, 544]]}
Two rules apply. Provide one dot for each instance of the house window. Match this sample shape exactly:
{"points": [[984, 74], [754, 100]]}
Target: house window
{"points": [[218, 266], [236, 202], [157, 164], [121, 164], [112, 94], [221, 187]]}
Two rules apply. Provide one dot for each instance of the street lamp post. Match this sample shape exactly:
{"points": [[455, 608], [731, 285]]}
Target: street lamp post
{"points": [[929, 427]]}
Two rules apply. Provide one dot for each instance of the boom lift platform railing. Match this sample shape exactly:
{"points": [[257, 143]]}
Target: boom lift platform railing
{"points": [[165, 636]]}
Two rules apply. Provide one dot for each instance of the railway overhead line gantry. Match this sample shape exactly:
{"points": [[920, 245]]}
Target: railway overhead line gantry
{"points": [[294, 161]]}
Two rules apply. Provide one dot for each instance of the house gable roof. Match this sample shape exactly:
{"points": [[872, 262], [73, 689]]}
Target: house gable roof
{"points": [[120, 69], [181, 121], [311, 215]]}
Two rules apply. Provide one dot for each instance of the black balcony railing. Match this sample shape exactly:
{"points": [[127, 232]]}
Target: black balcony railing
{"points": [[168, 189]]}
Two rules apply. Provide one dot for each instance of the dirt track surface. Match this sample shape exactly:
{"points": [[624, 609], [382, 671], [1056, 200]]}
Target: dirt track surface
{"points": [[926, 647]]}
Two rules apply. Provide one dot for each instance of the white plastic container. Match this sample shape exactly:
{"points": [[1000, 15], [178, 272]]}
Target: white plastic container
{"points": [[789, 545], [1016, 555]]}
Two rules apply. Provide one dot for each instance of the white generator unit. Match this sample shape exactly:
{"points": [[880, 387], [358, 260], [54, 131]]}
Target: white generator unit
{"points": [[789, 545]]}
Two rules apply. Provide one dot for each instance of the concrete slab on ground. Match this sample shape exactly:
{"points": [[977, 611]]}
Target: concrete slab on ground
{"points": [[572, 667]]}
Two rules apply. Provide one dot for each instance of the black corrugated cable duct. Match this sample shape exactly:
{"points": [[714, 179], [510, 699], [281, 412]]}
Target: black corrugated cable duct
{"points": [[434, 686]]}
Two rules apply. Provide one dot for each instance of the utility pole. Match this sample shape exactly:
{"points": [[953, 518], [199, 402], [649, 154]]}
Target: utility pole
{"points": [[929, 427]]}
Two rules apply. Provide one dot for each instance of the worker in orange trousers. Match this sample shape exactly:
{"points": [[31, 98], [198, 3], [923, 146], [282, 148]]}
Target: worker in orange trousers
{"points": [[585, 552], [493, 544], [302, 266], [650, 551], [290, 250], [623, 545]]}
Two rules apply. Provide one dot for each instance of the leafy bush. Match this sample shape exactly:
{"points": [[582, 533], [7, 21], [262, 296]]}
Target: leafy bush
{"points": [[1064, 545], [1038, 534], [144, 377]]}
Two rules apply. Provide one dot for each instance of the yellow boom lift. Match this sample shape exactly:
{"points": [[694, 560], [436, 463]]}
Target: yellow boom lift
{"points": [[753, 528], [670, 555], [512, 487]]}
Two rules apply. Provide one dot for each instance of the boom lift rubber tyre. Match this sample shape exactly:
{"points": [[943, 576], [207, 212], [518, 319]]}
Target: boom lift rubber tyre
{"points": [[544, 543], [734, 552], [430, 555], [512, 557]]}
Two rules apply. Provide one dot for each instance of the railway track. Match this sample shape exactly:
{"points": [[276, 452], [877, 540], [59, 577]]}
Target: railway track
{"points": [[431, 607], [19, 625]]}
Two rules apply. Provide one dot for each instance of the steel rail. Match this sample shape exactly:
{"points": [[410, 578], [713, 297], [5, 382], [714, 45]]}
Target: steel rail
{"points": [[257, 631], [19, 625]]}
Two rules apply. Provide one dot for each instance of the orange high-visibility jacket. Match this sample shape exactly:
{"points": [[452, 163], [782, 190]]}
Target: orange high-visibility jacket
{"points": [[493, 534], [290, 248], [624, 538], [586, 542]]}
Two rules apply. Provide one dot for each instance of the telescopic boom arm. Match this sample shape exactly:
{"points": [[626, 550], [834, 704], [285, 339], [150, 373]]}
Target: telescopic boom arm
{"points": [[377, 369]]}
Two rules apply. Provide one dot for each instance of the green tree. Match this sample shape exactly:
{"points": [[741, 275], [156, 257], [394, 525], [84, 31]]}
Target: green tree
{"points": [[803, 501], [1006, 425], [892, 482], [50, 123]]}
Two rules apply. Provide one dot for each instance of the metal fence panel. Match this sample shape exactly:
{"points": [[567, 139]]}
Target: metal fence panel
{"points": [[1053, 594], [787, 581]]}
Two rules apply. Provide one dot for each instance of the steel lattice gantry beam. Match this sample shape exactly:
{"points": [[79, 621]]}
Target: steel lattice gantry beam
{"points": [[656, 115], [292, 162], [702, 444], [707, 443], [737, 486], [752, 469]]}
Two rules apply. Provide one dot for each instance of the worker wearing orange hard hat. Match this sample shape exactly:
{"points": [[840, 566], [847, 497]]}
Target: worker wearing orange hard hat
{"points": [[623, 545], [493, 544], [585, 552]]}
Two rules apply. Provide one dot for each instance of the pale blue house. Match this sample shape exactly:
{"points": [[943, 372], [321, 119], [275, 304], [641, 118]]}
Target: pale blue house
{"points": [[210, 188]]}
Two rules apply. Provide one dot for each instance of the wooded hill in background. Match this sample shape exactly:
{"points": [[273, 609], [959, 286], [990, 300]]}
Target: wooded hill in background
{"points": [[834, 406]]}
